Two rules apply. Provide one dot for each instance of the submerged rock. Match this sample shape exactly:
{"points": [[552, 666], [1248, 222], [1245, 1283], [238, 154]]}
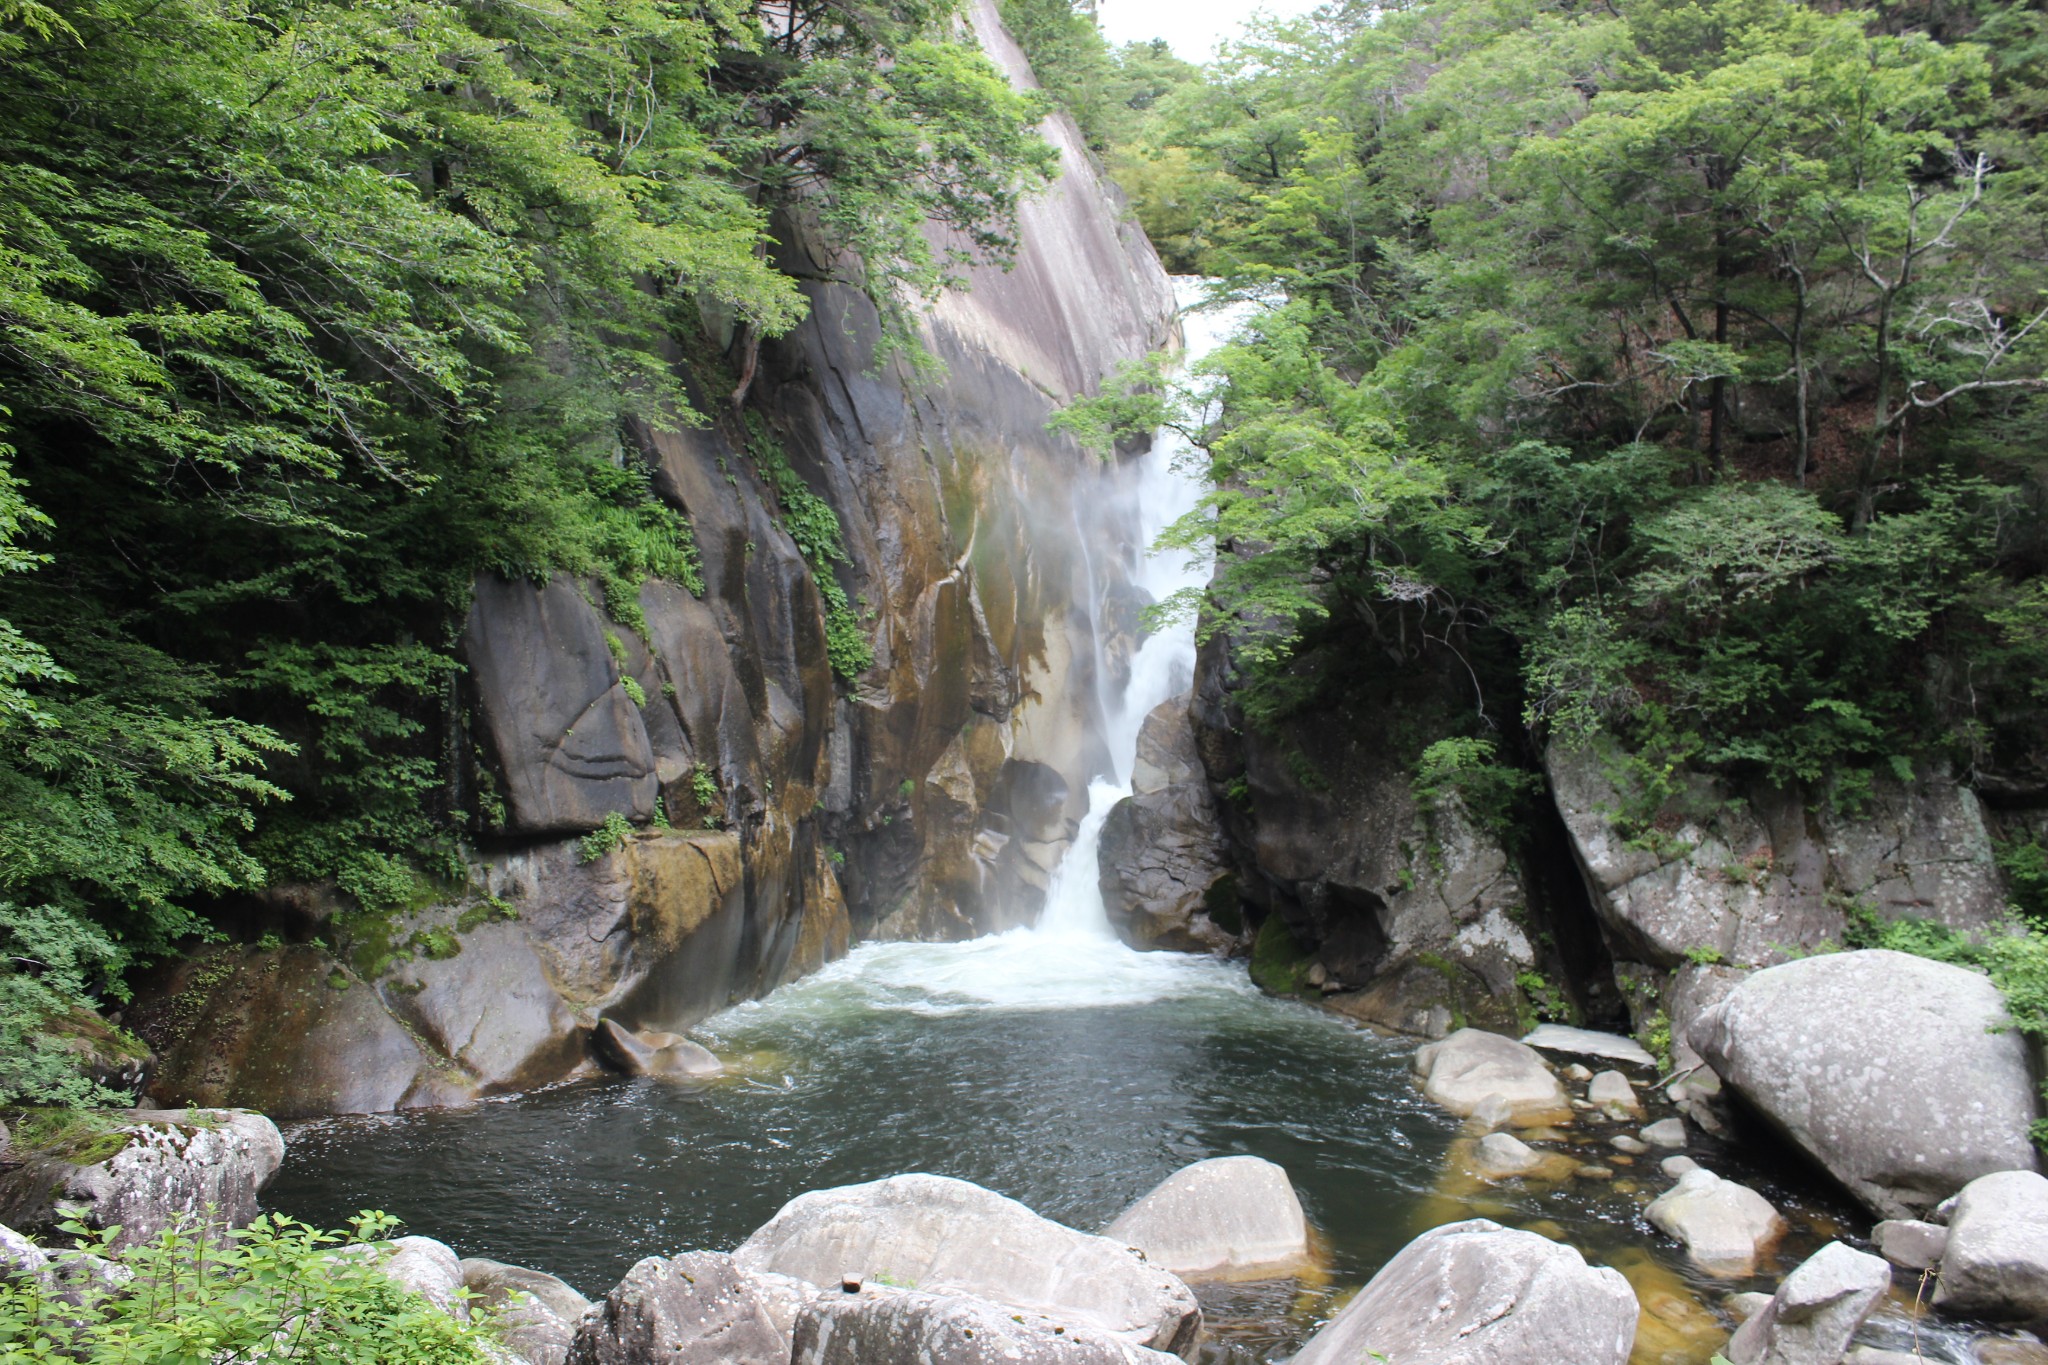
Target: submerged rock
{"points": [[663, 1056], [169, 1166], [1816, 1311], [700, 1308], [1995, 1262], [891, 1325], [1613, 1096], [949, 1236], [1726, 1227], [1227, 1217], [1476, 1293], [1462, 1071], [1902, 1076]]}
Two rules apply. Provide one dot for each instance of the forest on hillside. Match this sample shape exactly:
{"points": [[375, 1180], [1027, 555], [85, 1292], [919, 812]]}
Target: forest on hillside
{"points": [[1675, 368]]}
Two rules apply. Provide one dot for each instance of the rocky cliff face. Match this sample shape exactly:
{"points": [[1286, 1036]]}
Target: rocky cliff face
{"points": [[928, 796]]}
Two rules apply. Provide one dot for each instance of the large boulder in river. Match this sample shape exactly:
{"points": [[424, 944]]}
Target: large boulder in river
{"points": [[877, 1325], [1165, 873], [1229, 1216], [1726, 1227], [160, 1168], [535, 1313], [949, 1236], [652, 1053], [1476, 1293], [1902, 1076], [1815, 1312], [1995, 1261], [1463, 1071], [700, 1308], [429, 1269]]}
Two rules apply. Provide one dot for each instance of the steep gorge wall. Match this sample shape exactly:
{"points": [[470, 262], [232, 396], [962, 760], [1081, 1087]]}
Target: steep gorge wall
{"points": [[928, 797]]}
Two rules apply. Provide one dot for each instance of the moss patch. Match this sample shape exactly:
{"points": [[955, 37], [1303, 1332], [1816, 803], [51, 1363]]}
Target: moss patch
{"points": [[1278, 963]]}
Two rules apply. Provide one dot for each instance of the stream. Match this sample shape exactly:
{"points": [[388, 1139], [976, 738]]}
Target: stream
{"points": [[1051, 1064]]}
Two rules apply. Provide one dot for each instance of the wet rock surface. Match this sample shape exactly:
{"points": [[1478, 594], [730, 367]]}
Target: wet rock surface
{"points": [[1726, 1227], [1994, 1262], [1165, 874], [1815, 1312], [1231, 1216], [1471, 1066], [1475, 1293], [946, 1235], [1900, 1075], [662, 1056]]}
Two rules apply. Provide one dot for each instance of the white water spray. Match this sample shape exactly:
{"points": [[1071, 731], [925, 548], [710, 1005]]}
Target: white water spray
{"points": [[1071, 958]]}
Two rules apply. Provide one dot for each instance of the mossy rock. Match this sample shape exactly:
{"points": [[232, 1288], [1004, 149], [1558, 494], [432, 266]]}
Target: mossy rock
{"points": [[1279, 965]]}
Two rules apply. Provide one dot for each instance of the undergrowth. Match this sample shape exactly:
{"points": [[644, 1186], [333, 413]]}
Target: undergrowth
{"points": [[814, 526]]}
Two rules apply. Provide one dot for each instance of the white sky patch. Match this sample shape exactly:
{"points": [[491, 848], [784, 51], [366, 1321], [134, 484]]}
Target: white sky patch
{"points": [[1191, 27]]}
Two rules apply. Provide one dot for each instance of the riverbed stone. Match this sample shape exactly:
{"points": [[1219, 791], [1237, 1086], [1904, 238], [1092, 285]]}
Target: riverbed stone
{"points": [[173, 1166], [1677, 1166], [1230, 1217], [1613, 1096], [700, 1308], [950, 1236], [1462, 1071], [1667, 1133], [536, 1313], [1995, 1262], [1501, 1156], [1910, 1243], [429, 1269], [1580, 1042], [1476, 1293], [1725, 1227], [652, 1053], [1815, 1312], [880, 1324], [1900, 1075]]}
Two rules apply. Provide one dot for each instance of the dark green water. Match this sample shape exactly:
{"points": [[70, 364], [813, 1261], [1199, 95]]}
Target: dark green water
{"points": [[1064, 1071]]}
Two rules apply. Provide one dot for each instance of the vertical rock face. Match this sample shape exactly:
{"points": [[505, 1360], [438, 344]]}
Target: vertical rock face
{"points": [[1165, 873], [927, 797], [1412, 914]]}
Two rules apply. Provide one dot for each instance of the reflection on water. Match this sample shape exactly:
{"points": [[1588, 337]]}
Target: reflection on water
{"points": [[1067, 1072]]}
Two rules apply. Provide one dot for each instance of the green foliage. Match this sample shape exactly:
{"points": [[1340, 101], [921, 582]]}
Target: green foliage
{"points": [[52, 963], [633, 690], [608, 837], [2025, 864], [1667, 372], [704, 787], [814, 526], [1546, 999], [275, 1290], [1470, 770]]}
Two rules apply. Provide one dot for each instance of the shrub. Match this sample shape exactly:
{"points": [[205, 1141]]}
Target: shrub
{"points": [[606, 838], [277, 1290]]}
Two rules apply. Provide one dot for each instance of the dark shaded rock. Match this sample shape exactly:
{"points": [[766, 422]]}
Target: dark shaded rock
{"points": [[570, 742], [1898, 1074], [1165, 875], [1476, 1293], [879, 1325], [696, 1309]]}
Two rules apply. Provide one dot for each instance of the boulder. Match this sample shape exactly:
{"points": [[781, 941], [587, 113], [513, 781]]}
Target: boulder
{"points": [[1902, 1076], [1815, 1312], [171, 1166], [429, 1269], [1909, 1243], [700, 1308], [1995, 1263], [1228, 1217], [1677, 1166], [878, 1325], [1461, 1071], [1500, 1156], [1579, 1042], [536, 1313], [1165, 873], [663, 1056], [1476, 1293], [1726, 1227], [19, 1255], [949, 1236], [1613, 1096]]}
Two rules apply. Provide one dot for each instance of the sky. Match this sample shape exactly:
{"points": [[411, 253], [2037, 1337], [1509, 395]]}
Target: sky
{"points": [[1192, 27]]}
